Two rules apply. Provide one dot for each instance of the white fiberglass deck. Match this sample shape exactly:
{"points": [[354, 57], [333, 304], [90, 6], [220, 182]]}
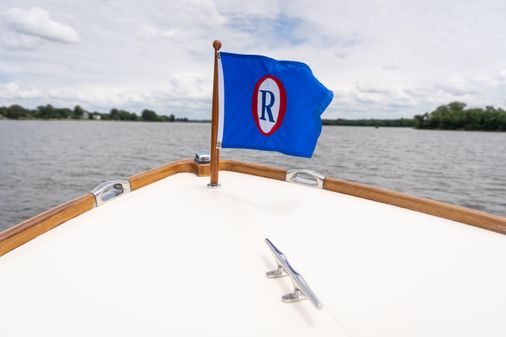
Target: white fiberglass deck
{"points": [[178, 259]]}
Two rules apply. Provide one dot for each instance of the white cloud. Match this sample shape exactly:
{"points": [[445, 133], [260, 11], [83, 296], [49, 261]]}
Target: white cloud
{"points": [[12, 91], [36, 22], [19, 41], [150, 32], [202, 12], [381, 59], [502, 75]]}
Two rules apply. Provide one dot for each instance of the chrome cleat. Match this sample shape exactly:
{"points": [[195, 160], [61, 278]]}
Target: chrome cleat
{"points": [[301, 290]]}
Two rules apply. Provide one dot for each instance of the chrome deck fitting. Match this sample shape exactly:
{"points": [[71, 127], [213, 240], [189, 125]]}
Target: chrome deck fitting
{"points": [[110, 190], [306, 177], [301, 289], [202, 157]]}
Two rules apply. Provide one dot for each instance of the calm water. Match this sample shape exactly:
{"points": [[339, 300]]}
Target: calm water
{"points": [[44, 163]]}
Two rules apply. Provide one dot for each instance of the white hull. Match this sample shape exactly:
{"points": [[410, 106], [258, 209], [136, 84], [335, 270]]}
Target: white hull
{"points": [[175, 258]]}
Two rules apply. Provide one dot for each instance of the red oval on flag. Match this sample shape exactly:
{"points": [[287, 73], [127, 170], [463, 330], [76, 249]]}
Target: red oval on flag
{"points": [[268, 104]]}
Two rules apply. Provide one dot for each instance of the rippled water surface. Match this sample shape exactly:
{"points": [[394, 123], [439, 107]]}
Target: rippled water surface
{"points": [[44, 163]]}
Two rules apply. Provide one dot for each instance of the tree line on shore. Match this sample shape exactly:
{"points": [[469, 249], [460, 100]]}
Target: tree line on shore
{"points": [[455, 116], [49, 112], [452, 116]]}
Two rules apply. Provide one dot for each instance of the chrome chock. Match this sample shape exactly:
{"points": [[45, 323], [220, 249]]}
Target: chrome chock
{"points": [[110, 190], [306, 177]]}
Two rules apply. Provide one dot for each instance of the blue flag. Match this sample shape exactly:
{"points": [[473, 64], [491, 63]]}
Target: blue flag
{"points": [[266, 104]]}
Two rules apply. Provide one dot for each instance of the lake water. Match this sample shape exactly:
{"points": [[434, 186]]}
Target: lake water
{"points": [[45, 163]]}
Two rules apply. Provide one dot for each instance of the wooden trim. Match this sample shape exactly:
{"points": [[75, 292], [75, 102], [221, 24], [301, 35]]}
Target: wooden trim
{"points": [[148, 177], [253, 169], [461, 214], [31, 228], [203, 170], [451, 212]]}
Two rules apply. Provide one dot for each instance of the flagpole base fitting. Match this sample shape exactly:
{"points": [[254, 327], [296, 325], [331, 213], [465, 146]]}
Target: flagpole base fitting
{"points": [[213, 186]]}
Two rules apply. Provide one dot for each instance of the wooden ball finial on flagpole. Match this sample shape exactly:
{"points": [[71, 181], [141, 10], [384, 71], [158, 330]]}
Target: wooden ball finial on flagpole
{"points": [[215, 152]]}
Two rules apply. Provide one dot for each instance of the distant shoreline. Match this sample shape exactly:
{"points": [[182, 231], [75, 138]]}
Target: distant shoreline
{"points": [[101, 120], [397, 123], [452, 116], [325, 122], [199, 121]]}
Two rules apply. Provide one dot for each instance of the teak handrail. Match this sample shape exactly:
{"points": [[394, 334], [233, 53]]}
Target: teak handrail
{"points": [[447, 211], [31, 228], [27, 230]]}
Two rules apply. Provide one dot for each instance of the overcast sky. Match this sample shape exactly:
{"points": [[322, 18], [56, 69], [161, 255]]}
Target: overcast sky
{"points": [[382, 59]]}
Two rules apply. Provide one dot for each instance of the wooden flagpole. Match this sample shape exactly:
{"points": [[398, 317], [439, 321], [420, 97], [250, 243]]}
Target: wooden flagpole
{"points": [[215, 152]]}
